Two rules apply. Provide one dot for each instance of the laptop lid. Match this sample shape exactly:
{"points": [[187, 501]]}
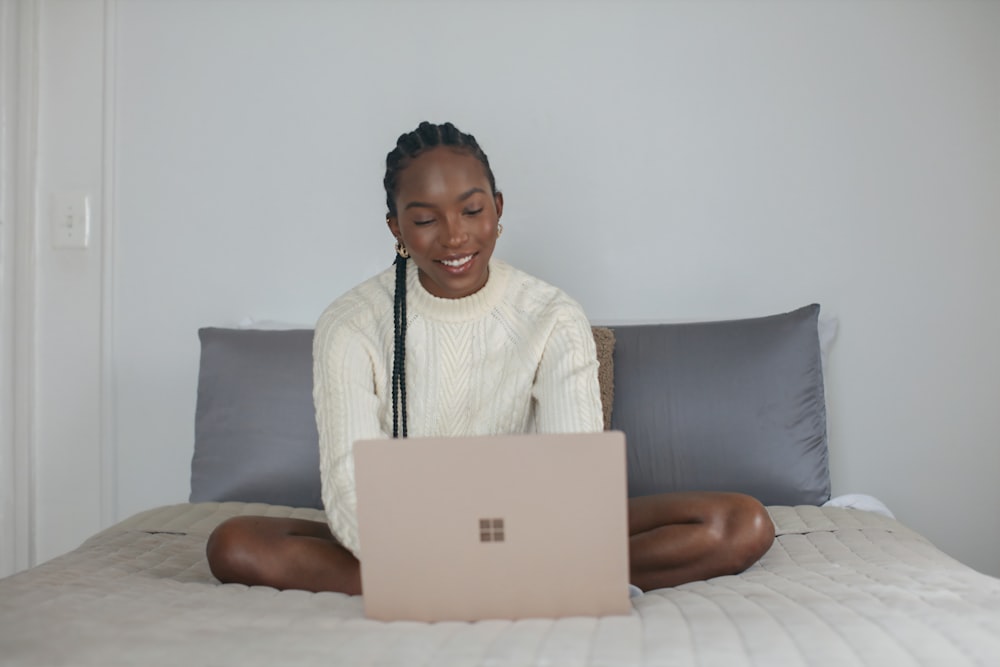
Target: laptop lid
{"points": [[513, 526]]}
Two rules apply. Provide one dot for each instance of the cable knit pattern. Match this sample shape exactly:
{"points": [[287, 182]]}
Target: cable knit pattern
{"points": [[516, 356]]}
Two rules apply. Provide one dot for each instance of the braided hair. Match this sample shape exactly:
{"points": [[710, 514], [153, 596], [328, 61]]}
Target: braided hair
{"points": [[409, 146]]}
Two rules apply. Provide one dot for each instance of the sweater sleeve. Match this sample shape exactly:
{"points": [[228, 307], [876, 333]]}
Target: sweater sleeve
{"points": [[347, 409], [566, 393]]}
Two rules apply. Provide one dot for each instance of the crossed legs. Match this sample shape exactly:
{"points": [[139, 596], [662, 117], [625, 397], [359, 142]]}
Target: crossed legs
{"points": [[282, 553], [674, 538]]}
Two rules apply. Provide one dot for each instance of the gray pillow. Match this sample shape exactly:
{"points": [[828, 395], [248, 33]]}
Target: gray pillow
{"points": [[733, 405], [255, 424], [726, 406]]}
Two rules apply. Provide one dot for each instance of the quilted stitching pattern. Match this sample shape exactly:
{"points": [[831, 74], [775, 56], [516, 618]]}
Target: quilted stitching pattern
{"points": [[840, 587]]}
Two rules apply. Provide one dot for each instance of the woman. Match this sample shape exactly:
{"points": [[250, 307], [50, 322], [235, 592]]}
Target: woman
{"points": [[482, 348]]}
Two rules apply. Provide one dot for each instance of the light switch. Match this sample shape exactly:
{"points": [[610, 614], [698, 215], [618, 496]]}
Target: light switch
{"points": [[70, 218]]}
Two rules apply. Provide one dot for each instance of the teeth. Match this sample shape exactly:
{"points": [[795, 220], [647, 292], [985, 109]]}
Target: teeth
{"points": [[456, 262]]}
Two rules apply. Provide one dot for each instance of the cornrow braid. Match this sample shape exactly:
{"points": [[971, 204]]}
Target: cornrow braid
{"points": [[409, 146], [427, 135]]}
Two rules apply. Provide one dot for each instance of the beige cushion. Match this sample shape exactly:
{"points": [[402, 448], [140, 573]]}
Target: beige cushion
{"points": [[605, 340]]}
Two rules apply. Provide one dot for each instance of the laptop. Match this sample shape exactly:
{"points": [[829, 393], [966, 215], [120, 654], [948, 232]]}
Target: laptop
{"points": [[501, 527]]}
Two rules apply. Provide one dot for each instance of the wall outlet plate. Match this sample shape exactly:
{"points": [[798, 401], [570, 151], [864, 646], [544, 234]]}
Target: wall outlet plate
{"points": [[70, 219]]}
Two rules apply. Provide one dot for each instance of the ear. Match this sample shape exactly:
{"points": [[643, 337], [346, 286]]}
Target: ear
{"points": [[393, 224], [498, 202]]}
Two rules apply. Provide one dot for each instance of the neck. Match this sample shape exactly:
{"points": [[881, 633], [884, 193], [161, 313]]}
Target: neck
{"points": [[467, 307]]}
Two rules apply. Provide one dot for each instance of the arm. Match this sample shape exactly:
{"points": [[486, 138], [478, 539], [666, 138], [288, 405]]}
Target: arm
{"points": [[566, 393], [347, 409]]}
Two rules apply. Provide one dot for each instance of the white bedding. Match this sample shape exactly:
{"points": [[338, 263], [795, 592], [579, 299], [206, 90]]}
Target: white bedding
{"points": [[839, 587]]}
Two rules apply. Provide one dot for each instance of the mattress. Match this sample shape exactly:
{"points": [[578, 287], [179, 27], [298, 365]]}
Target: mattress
{"points": [[839, 587]]}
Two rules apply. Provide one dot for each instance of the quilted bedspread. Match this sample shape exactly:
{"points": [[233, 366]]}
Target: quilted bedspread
{"points": [[839, 587]]}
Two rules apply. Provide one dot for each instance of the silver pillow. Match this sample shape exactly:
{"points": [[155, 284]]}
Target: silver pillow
{"points": [[733, 405], [724, 406], [255, 424]]}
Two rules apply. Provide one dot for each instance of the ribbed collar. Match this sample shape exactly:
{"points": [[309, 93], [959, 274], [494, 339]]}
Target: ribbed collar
{"points": [[474, 306]]}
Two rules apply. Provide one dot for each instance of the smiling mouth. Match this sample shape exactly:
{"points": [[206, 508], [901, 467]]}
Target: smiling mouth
{"points": [[457, 262]]}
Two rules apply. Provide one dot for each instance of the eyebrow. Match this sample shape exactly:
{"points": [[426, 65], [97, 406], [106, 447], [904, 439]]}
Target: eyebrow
{"points": [[465, 195]]}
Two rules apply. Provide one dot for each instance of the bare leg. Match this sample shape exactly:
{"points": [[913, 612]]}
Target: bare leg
{"points": [[282, 553], [675, 538]]}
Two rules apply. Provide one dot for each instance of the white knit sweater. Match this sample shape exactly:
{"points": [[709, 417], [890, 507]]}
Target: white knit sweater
{"points": [[516, 356]]}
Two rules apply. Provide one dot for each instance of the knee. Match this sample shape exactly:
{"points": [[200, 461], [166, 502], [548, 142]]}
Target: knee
{"points": [[229, 550], [747, 531], [756, 533]]}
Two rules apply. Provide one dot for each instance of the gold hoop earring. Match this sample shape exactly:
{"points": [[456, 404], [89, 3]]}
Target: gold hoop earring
{"points": [[499, 230], [401, 249]]}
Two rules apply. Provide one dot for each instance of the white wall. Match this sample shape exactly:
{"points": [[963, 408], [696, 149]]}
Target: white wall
{"points": [[16, 50], [660, 161], [69, 470]]}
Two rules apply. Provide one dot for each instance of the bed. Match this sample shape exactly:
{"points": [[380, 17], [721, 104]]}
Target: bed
{"points": [[840, 586]]}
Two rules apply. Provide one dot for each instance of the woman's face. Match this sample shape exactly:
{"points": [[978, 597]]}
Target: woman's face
{"points": [[447, 218]]}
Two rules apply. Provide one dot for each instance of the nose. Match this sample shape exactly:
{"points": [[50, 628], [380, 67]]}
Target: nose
{"points": [[453, 232]]}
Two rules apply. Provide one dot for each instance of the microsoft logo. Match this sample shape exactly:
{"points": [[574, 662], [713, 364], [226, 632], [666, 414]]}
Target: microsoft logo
{"points": [[491, 530]]}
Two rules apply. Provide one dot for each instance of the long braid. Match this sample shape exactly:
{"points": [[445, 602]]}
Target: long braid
{"points": [[399, 352], [409, 146]]}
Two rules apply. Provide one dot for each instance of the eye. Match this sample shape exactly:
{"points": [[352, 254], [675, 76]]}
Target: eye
{"points": [[474, 212], [421, 223]]}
